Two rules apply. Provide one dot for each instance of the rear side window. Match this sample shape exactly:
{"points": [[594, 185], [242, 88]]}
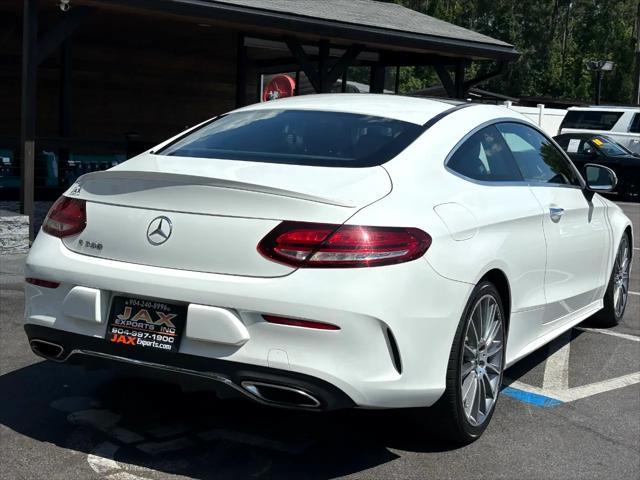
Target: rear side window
{"points": [[484, 156], [299, 137], [590, 119], [635, 124], [575, 145], [537, 158]]}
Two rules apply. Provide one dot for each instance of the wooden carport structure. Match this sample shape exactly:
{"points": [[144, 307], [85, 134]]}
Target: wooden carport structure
{"points": [[319, 39]]}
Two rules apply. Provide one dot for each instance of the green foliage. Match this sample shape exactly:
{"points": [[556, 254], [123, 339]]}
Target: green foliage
{"points": [[555, 38]]}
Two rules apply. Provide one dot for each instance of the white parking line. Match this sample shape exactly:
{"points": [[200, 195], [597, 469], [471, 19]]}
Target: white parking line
{"points": [[555, 383], [556, 371], [609, 332], [577, 393], [634, 293], [584, 391]]}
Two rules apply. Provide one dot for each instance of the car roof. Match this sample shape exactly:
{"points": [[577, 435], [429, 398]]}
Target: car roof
{"points": [[398, 107], [606, 108]]}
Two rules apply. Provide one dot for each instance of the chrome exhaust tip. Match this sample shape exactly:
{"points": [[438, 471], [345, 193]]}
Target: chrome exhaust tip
{"points": [[48, 350], [281, 395]]}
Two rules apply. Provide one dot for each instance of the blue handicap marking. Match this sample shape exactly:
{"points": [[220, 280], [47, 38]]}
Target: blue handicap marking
{"points": [[531, 398]]}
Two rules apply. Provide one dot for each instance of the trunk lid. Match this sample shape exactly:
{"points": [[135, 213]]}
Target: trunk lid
{"points": [[213, 212]]}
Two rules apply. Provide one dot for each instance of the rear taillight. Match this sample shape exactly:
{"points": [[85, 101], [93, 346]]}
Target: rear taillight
{"points": [[67, 217], [319, 245]]}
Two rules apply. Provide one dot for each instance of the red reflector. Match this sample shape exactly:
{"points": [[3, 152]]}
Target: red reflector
{"points": [[66, 217], [296, 322], [42, 283], [316, 245]]}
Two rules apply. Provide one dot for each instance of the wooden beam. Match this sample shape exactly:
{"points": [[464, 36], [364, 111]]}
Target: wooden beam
{"points": [[326, 73], [347, 59], [460, 91], [52, 39], [28, 109], [445, 79], [376, 84], [323, 66], [487, 76], [241, 72], [307, 67], [66, 70], [64, 107]]}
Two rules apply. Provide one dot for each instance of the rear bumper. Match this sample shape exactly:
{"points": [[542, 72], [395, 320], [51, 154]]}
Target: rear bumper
{"points": [[220, 374], [409, 304]]}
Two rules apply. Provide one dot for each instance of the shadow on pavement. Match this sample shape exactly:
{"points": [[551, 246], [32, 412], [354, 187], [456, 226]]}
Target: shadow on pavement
{"points": [[147, 424]]}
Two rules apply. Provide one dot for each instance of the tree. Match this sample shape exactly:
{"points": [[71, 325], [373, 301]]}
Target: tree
{"points": [[555, 38]]}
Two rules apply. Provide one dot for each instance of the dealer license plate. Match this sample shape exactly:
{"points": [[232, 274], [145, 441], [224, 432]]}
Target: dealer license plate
{"points": [[148, 324]]}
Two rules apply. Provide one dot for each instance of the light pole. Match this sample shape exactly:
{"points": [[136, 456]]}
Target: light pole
{"points": [[599, 66]]}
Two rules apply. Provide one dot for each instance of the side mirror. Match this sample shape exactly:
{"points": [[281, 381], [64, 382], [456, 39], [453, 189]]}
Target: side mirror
{"points": [[600, 178]]}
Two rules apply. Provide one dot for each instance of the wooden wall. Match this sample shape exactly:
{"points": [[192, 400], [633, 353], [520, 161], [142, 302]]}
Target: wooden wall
{"points": [[131, 73]]}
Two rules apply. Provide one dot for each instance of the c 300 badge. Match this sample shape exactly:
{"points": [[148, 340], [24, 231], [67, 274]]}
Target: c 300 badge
{"points": [[91, 245]]}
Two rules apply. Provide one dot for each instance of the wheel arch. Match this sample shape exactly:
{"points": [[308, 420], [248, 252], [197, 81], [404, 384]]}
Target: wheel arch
{"points": [[629, 231], [501, 282]]}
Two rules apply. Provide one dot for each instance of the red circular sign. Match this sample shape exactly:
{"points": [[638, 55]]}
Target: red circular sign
{"points": [[280, 86]]}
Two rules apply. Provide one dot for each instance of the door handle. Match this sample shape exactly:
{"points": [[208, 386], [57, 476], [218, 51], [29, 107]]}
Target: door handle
{"points": [[556, 214]]}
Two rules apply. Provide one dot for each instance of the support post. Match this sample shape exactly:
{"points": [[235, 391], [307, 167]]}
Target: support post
{"points": [[459, 80], [323, 63], [65, 104], [635, 98], [377, 78], [445, 79], [28, 109], [241, 72], [340, 67], [324, 75], [295, 47]]}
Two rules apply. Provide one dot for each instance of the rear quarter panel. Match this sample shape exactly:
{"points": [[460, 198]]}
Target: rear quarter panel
{"points": [[505, 220]]}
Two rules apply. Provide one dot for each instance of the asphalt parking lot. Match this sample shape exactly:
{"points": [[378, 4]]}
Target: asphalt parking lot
{"points": [[571, 410]]}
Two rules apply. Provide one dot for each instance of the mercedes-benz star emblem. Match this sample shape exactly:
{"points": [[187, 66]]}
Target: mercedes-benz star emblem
{"points": [[159, 230]]}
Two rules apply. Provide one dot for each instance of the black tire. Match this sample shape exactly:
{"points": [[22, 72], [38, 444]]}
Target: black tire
{"points": [[448, 412], [609, 316]]}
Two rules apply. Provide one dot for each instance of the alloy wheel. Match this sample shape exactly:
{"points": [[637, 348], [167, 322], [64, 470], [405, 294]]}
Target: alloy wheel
{"points": [[621, 277], [482, 360]]}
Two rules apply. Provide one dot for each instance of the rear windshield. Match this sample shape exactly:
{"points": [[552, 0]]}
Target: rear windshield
{"points": [[590, 120], [299, 137]]}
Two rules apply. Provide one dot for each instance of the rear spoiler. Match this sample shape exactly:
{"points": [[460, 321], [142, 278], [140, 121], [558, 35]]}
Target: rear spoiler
{"points": [[88, 186]]}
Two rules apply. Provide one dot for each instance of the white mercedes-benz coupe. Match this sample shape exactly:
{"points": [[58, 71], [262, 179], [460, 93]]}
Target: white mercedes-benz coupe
{"points": [[332, 251]]}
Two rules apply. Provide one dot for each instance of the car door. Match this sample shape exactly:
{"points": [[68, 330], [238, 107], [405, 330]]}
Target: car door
{"points": [[575, 228], [508, 235]]}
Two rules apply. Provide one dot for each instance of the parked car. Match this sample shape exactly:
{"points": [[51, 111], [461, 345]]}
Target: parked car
{"points": [[622, 124], [333, 251], [586, 148]]}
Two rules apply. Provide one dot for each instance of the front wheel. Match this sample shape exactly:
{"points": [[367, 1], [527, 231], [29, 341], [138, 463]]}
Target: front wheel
{"points": [[476, 363], [615, 298]]}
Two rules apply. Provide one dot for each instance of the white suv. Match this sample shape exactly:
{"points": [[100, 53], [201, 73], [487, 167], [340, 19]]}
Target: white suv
{"points": [[620, 123]]}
